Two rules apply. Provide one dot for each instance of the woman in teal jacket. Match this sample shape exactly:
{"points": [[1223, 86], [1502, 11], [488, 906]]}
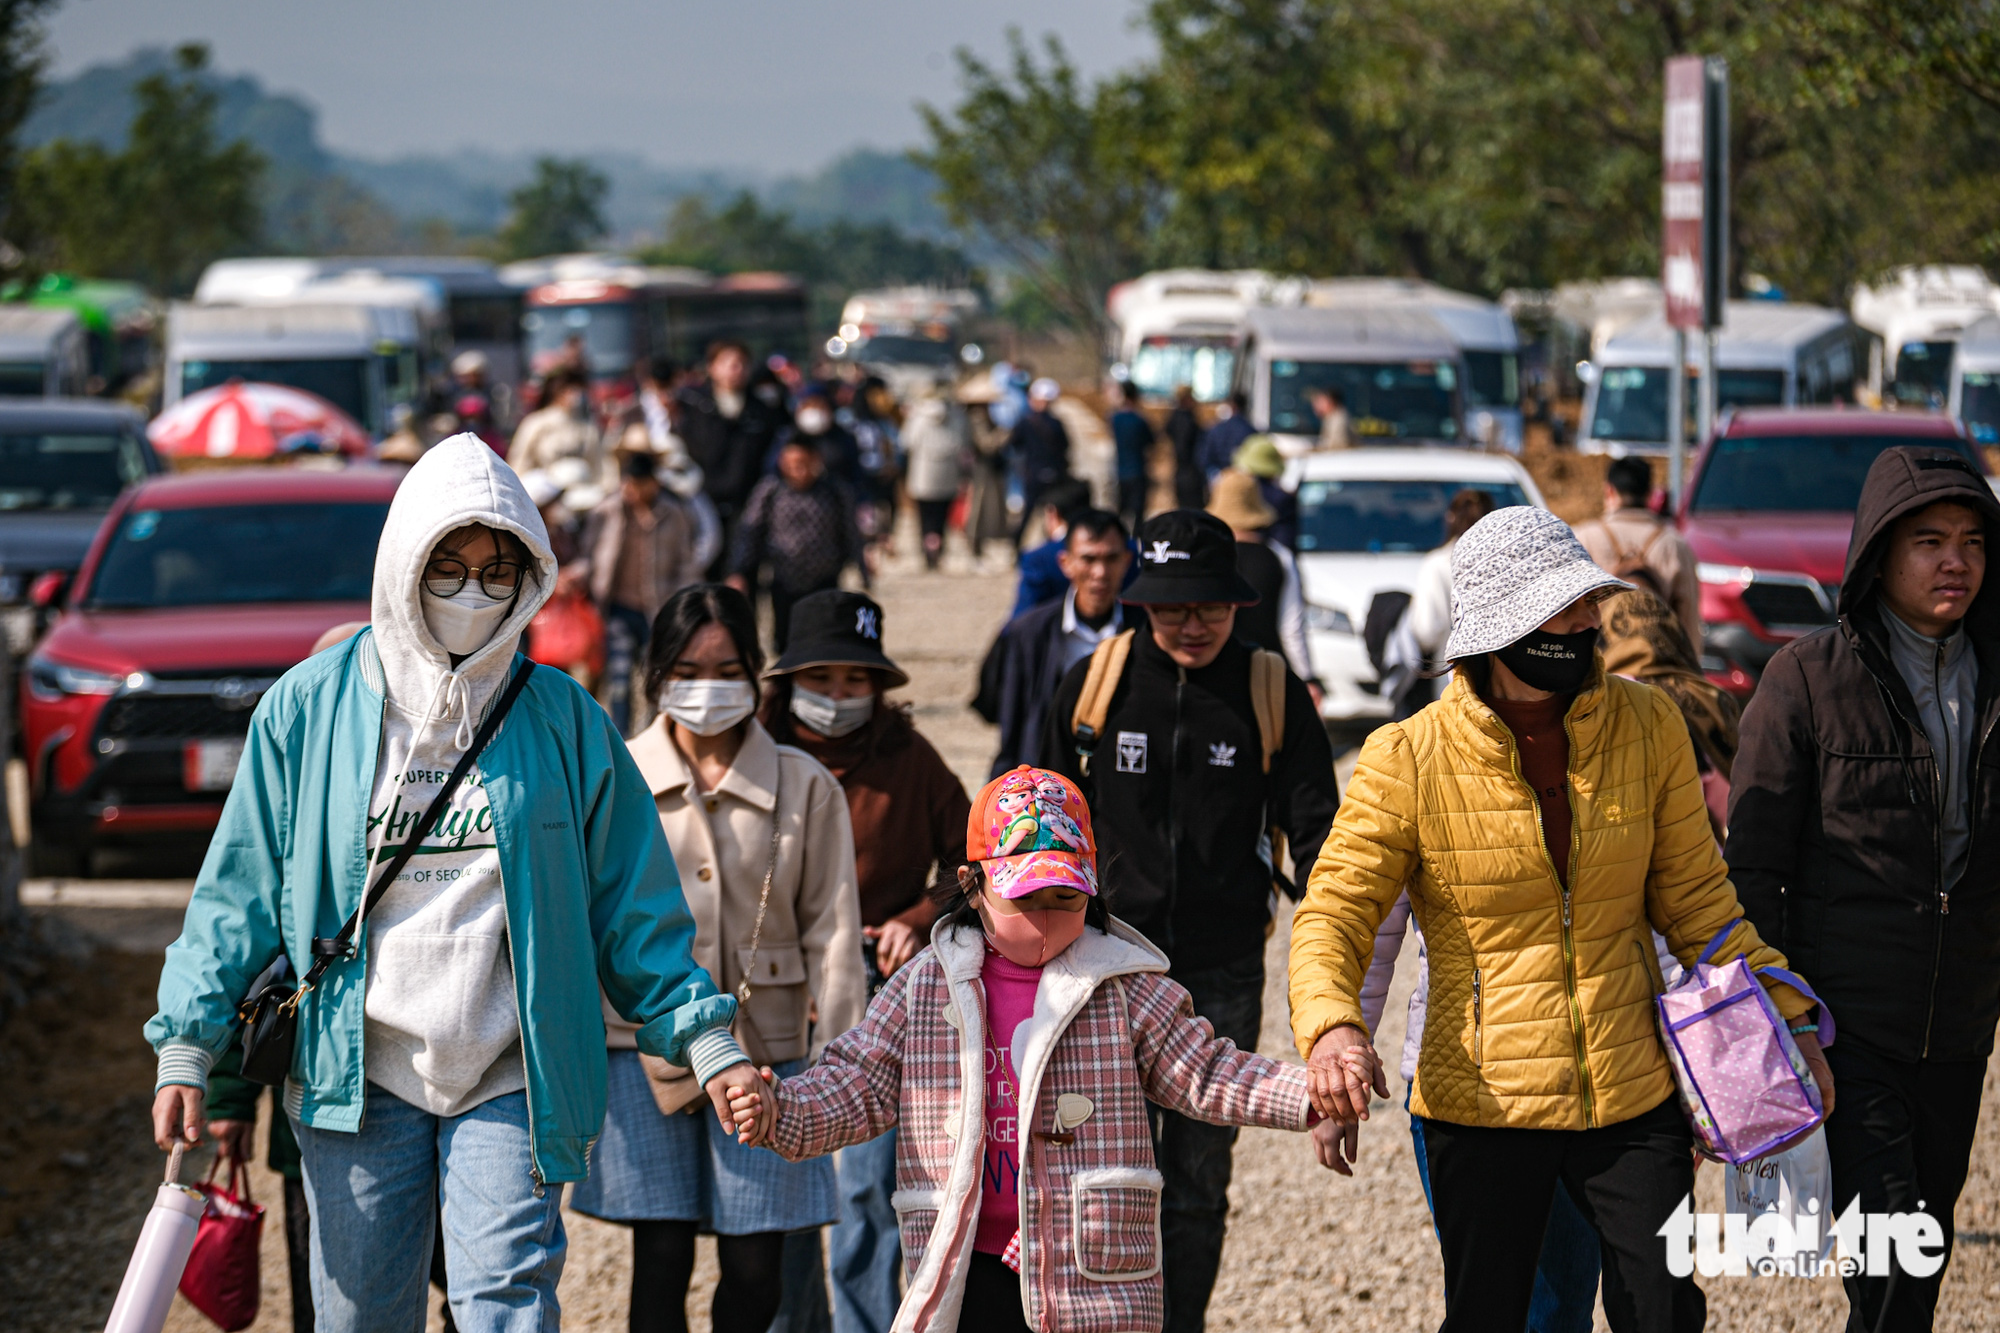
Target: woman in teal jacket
{"points": [[458, 1057]]}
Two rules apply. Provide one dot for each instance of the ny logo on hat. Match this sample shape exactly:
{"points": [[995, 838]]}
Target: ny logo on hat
{"points": [[1164, 551], [867, 624]]}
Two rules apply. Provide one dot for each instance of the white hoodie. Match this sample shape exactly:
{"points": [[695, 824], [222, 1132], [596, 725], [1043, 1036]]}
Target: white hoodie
{"points": [[442, 1029]]}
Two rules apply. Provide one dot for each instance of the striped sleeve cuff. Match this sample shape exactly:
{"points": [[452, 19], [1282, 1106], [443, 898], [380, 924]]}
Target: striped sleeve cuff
{"points": [[712, 1052], [183, 1064]]}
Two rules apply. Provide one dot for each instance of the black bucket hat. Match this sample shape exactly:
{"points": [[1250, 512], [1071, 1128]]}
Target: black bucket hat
{"points": [[837, 628], [1188, 556]]}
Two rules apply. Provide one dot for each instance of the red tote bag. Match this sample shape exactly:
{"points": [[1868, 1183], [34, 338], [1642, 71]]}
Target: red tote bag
{"points": [[221, 1278]]}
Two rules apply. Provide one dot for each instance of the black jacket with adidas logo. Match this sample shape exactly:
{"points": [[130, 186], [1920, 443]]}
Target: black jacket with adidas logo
{"points": [[1179, 801]]}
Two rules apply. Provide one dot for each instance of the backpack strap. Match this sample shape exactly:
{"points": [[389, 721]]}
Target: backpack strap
{"points": [[1100, 682], [1267, 701]]}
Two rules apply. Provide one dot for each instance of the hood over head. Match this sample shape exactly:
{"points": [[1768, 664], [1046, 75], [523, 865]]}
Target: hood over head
{"points": [[459, 482], [1903, 480]]}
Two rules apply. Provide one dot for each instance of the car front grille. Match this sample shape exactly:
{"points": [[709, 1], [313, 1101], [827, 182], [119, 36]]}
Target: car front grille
{"points": [[170, 717], [1786, 605]]}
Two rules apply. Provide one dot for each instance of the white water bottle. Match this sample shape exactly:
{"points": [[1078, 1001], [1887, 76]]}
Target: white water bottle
{"points": [[162, 1253]]}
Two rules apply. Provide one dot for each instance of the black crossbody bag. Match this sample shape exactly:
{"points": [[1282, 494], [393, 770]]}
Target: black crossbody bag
{"points": [[270, 1013]]}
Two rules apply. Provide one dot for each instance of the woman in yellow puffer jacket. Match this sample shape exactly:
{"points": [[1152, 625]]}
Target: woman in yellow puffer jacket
{"points": [[1544, 818]]}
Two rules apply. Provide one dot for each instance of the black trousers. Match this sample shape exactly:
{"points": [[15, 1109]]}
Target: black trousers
{"points": [[1900, 1137], [1491, 1190], [992, 1298], [1195, 1158]]}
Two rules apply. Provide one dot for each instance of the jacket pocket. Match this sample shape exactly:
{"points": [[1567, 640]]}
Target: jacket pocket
{"points": [[916, 1218], [1116, 1217], [777, 1007], [1478, 1020]]}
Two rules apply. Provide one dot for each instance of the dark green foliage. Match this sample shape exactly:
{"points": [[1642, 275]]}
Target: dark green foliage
{"points": [[157, 210], [559, 211]]}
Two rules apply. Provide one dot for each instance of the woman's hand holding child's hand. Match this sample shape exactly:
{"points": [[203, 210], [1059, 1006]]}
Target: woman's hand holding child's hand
{"points": [[742, 1083], [755, 1112]]}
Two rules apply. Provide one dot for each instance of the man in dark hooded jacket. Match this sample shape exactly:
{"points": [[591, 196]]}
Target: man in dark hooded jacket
{"points": [[1864, 839]]}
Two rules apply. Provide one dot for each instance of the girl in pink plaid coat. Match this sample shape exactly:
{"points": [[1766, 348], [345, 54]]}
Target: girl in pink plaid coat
{"points": [[1107, 1032]]}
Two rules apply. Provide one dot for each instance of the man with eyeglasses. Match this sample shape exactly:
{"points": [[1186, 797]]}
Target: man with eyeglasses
{"points": [[1182, 807]]}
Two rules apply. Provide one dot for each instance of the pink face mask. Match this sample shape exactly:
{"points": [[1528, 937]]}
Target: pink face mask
{"points": [[1031, 938]]}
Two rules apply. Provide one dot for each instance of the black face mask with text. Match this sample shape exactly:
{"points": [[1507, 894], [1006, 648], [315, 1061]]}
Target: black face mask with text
{"points": [[1558, 663]]}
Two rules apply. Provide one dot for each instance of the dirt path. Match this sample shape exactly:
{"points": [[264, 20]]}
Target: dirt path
{"points": [[1306, 1250]]}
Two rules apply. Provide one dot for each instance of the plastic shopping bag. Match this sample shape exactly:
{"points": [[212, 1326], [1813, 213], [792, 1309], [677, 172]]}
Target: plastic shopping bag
{"points": [[221, 1279], [148, 1289], [1796, 1185]]}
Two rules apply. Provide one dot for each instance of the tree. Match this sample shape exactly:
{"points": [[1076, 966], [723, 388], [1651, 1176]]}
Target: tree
{"points": [[833, 261], [561, 210], [160, 209], [1051, 172], [22, 63]]}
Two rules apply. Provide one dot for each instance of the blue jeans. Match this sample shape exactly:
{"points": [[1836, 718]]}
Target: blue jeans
{"points": [[867, 1245], [625, 634], [1565, 1298], [377, 1194]]}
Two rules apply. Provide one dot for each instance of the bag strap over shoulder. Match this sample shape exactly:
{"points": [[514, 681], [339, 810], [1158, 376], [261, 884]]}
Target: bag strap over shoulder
{"points": [[1100, 682], [1267, 701], [342, 944]]}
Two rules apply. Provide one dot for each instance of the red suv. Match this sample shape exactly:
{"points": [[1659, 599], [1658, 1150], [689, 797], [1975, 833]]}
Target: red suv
{"points": [[198, 592], [1769, 511]]}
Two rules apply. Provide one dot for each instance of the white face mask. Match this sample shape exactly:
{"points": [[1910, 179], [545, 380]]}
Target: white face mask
{"points": [[708, 707], [831, 718], [463, 622], [813, 420]]}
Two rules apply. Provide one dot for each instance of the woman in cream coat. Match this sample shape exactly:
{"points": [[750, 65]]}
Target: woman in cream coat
{"points": [[723, 787]]}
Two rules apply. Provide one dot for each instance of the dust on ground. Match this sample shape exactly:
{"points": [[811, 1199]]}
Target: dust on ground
{"points": [[1306, 1249]]}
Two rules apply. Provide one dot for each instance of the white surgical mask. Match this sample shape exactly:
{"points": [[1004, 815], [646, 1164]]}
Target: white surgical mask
{"points": [[813, 420], [708, 707], [462, 623], [831, 718]]}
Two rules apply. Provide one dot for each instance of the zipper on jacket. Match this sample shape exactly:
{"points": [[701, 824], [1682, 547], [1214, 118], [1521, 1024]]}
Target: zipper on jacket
{"points": [[521, 1029], [1174, 805], [1568, 940], [1478, 1022]]}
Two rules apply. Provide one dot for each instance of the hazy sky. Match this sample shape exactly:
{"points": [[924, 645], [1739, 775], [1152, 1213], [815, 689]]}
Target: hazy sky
{"points": [[767, 85]]}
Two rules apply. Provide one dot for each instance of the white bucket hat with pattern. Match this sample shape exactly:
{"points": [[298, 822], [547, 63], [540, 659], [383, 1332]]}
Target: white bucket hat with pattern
{"points": [[1510, 572]]}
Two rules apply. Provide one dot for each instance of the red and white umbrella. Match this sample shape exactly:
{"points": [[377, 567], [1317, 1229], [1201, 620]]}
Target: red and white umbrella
{"points": [[238, 420]]}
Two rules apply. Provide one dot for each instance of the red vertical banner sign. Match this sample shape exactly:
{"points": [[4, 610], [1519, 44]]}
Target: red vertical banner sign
{"points": [[1683, 139]]}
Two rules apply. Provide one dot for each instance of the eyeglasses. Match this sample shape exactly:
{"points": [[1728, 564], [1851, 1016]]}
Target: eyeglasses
{"points": [[1173, 617], [499, 579]]}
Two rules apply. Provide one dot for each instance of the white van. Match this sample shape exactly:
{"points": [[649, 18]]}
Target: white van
{"points": [[1770, 354], [1395, 367], [1489, 346], [1975, 381], [1919, 311], [1179, 326], [44, 353], [360, 358]]}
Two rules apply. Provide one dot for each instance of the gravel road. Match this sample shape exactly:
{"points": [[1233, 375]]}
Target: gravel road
{"points": [[1306, 1250]]}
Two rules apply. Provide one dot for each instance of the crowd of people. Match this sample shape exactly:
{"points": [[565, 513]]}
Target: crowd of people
{"points": [[666, 948]]}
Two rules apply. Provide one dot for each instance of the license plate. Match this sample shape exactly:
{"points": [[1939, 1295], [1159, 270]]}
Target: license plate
{"points": [[210, 765]]}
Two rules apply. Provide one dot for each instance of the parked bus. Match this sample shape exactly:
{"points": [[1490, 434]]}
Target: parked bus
{"points": [[1769, 354], [1395, 367], [118, 318], [1489, 346], [361, 358], [615, 313], [1180, 326], [1919, 312], [1975, 380], [43, 353]]}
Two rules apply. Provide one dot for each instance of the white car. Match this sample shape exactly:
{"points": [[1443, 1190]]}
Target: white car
{"points": [[1366, 519]]}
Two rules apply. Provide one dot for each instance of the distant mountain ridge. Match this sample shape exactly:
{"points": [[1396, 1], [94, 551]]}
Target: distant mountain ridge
{"points": [[468, 189]]}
